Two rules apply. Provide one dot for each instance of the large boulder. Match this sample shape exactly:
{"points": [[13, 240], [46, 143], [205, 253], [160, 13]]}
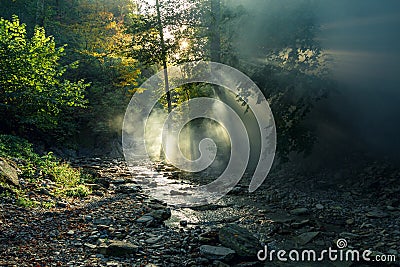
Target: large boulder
{"points": [[8, 173], [239, 239], [160, 214]]}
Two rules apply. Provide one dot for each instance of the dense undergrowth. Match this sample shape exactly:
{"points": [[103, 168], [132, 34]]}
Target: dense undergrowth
{"points": [[45, 174]]}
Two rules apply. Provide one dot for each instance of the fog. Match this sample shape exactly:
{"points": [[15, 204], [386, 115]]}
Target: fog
{"points": [[361, 39]]}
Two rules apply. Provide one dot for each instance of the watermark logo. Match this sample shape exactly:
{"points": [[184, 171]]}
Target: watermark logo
{"points": [[331, 254], [147, 128], [341, 243]]}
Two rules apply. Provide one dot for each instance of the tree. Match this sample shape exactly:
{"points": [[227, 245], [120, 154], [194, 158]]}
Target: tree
{"points": [[32, 88]]}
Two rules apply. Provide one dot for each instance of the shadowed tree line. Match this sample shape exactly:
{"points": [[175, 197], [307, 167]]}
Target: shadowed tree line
{"points": [[71, 67]]}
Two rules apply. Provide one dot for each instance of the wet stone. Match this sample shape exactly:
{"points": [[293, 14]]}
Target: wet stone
{"points": [[118, 248], [307, 237], [61, 204], [161, 214], [102, 221], [91, 246], [217, 252], [153, 240], [377, 214], [239, 239], [145, 219], [127, 188]]}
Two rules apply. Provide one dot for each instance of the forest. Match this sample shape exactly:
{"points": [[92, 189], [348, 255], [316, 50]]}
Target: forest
{"points": [[75, 76]]}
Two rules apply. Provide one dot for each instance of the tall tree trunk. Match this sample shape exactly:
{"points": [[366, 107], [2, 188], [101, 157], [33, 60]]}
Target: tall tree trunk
{"points": [[164, 63], [163, 55], [215, 41]]}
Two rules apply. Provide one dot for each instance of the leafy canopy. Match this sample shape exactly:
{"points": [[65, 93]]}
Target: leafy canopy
{"points": [[32, 89]]}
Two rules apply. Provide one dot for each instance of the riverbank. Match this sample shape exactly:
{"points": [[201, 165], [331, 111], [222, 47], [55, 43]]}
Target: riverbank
{"points": [[120, 225]]}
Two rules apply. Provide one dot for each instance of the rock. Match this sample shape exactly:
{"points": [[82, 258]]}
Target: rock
{"points": [[61, 204], [208, 237], [202, 261], [348, 235], [98, 193], [44, 191], [350, 221], [217, 253], [306, 237], [104, 182], [390, 208], [145, 219], [103, 221], [299, 211], [239, 239], [220, 264], [70, 232], [297, 225], [54, 233], [281, 218], [319, 207], [249, 264], [113, 264], [161, 214], [377, 214], [118, 248], [342, 263], [178, 193], [118, 181], [236, 191], [153, 240], [8, 173], [127, 188], [91, 246]]}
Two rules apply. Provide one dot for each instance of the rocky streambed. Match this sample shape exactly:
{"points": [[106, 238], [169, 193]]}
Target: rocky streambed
{"points": [[119, 224]]}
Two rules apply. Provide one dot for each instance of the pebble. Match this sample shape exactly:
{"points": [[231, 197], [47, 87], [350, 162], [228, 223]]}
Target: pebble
{"points": [[91, 246], [153, 240]]}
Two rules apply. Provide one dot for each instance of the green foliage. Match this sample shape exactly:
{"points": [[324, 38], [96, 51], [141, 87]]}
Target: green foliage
{"points": [[118, 45], [26, 202], [64, 175], [78, 191], [34, 168], [16, 147], [32, 90]]}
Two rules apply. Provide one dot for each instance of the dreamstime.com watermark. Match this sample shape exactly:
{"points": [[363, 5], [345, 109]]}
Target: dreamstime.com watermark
{"points": [[341, 253]]}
